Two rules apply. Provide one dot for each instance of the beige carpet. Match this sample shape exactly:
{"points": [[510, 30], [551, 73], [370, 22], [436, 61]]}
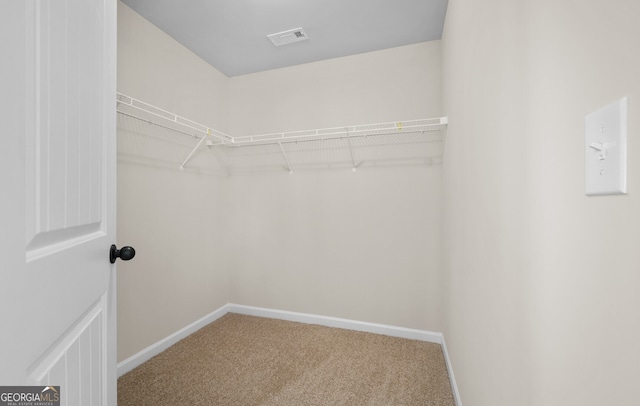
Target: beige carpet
{"points": [[246, 360]]}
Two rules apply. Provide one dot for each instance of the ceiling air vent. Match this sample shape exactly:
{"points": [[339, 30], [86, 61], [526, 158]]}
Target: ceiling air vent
{"points": [[288, 37]]}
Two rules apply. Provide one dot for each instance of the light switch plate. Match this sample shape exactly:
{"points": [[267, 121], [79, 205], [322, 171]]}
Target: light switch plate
{"points": [[606, 150]]}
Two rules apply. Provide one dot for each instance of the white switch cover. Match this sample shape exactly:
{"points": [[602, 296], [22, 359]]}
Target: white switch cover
{"points": [[606, 150]]}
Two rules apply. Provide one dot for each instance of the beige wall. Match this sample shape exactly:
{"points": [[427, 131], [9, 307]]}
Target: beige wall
{"points": [[363, 245], [395, 84], [153, 67], [540, 280], [171, 217]]}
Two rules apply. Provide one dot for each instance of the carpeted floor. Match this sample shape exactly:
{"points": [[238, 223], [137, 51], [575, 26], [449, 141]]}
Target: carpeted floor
{"points": [[245, 360]]}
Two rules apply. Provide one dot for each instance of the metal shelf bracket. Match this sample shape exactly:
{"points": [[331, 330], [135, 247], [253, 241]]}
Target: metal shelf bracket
{"points": [[286, 159]]}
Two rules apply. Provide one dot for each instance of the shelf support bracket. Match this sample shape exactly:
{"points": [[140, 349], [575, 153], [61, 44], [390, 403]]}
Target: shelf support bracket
{"points": [[354, 167], [286, 159], [193, 151]]}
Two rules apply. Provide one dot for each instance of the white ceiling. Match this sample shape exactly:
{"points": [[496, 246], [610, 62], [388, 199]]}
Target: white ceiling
{"points": [[231, 35]]}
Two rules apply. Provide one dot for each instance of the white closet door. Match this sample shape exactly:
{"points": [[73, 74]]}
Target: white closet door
{"points": [[57, 212]]}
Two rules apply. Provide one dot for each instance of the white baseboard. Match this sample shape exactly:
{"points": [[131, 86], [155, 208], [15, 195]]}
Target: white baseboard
{"points": [[145, 355], [346, 324], [452, 378], [393, 331]]}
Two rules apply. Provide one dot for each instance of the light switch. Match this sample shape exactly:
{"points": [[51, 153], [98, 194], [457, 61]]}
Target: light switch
{"points": [[606, 150]]}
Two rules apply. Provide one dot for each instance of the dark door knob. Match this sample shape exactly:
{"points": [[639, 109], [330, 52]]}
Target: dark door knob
{"points": [[124, 253]]}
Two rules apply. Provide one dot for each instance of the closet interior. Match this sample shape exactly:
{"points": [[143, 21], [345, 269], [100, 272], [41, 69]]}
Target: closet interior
{"points": [[315, 188]]}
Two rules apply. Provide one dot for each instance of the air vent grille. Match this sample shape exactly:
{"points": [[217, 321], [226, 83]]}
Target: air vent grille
{"points": [[288, 37]]}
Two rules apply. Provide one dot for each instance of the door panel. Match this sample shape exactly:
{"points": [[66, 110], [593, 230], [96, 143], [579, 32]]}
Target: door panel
{"points": [[57, 209], [75, 361], [65, 155]]}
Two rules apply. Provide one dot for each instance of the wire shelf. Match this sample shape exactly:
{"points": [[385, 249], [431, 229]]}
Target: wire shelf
{"points": [[367, 130], [135, 108], [349, 137]]}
